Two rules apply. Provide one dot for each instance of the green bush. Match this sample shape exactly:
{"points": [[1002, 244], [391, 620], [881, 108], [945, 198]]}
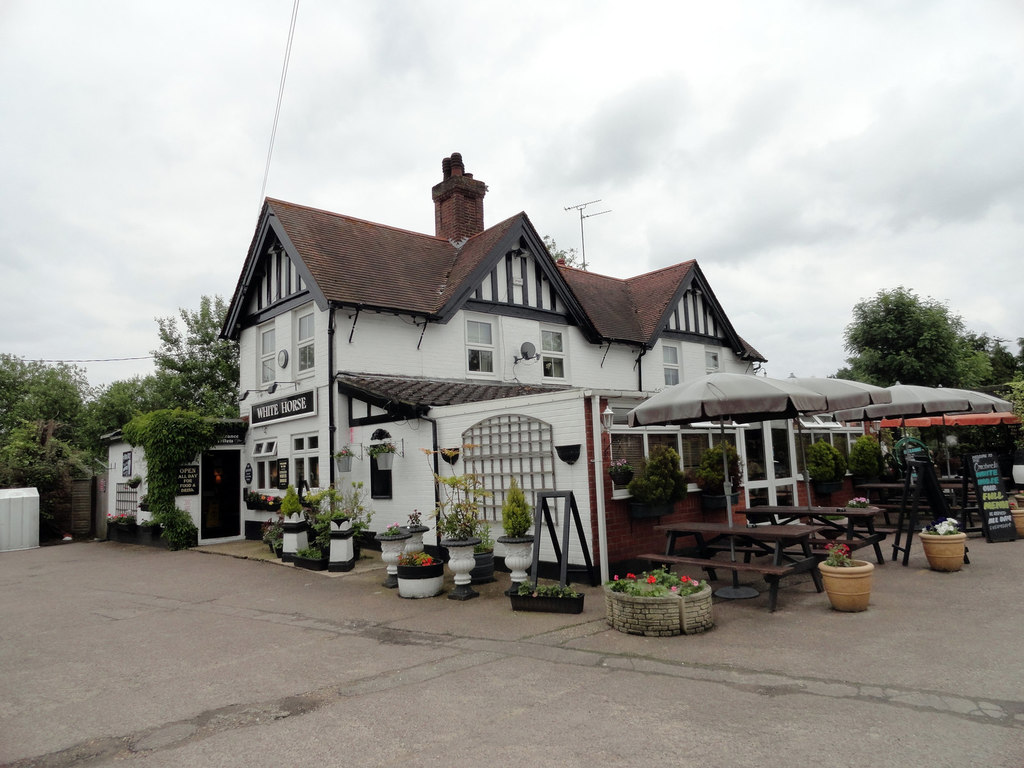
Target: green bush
{"points": [[662, 481], [516, 516], [709, 475], [825, 463], [866, 457]]}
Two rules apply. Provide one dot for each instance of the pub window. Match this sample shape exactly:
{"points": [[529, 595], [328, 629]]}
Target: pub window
{"points": [[267, 354], [265, 453], [629, 447], [380, 479], [670, 357], [307, 356], [552, 354], [479, 347], [306, 461]]}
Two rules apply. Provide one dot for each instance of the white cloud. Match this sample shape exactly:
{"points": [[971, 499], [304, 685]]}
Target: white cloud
{"points": [[808, 155]]}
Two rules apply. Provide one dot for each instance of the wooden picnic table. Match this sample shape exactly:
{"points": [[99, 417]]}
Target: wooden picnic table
{"points": [[857, 530], [780, 550]]}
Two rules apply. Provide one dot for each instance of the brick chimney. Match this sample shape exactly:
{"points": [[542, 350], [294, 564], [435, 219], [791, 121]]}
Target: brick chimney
{"points": [[458, 201]]}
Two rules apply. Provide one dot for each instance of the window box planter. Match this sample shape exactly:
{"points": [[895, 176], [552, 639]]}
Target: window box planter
{"points": [[309, 563], [641, 511], [544, 604], [711, 502]]}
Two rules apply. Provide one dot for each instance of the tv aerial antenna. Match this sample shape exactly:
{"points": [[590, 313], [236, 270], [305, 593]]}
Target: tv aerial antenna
{"points": [[581, 207]]}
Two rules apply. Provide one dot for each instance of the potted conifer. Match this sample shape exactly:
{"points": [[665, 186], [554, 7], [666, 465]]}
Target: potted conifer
{"points": [[661, 484], [517, 522]]}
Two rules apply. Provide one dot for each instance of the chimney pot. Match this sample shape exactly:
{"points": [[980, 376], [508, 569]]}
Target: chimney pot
{"points": [[458, 201]]}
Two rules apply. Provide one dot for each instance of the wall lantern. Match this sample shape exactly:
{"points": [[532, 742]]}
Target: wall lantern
{"points": [[607, 418]]}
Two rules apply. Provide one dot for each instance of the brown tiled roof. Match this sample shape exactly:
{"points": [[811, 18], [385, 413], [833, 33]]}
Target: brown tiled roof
{"points": [[627, 310], [359, 262], [653, 293], [410, 393]]}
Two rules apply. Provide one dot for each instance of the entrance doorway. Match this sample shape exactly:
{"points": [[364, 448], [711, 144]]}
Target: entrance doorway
{"points": [[220, 506], [769, 451]]}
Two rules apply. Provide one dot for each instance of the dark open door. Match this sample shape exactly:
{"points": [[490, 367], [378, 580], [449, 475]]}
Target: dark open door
{"points": [[221, 511]]}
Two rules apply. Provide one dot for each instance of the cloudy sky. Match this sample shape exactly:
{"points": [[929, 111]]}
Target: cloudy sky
{"points": [[807, 154]]}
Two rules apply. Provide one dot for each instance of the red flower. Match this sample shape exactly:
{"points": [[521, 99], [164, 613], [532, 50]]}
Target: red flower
{"points": [[631, 576], [652, 579]]}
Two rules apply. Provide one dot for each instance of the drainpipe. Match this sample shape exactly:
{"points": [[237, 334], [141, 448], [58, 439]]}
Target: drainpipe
{"points": [[437, 469], [640, 369], [332, 428], [602, 523]]}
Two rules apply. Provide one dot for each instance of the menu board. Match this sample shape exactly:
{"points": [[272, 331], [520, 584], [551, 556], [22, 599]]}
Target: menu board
{"points": [[992, 500]]}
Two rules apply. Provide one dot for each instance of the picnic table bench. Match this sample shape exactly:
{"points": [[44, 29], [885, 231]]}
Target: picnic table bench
{"points": [[773, 552]]}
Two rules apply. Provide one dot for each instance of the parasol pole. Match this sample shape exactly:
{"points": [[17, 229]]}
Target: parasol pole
{"points": [[736, 591]]}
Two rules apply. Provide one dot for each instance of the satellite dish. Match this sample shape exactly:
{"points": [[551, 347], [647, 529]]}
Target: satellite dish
{"points": [[528, 351]]}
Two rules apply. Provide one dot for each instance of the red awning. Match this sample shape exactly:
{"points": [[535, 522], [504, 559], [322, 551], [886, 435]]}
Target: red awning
{"points": [[954, 420]]}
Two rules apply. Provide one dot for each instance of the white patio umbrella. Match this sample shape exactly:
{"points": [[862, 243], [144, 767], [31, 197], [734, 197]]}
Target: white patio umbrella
{"points": [[841, 394], [909, 400], [981, 402], [722, 397]]}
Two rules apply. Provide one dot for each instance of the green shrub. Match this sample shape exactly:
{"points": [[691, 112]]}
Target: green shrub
{"points": [[516, 516], [662, 481], [866, 457], [825, 463]]}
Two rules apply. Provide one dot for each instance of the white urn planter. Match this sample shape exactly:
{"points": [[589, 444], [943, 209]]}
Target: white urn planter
{"points": [[461, 561], [391, 548], [518, 557]]}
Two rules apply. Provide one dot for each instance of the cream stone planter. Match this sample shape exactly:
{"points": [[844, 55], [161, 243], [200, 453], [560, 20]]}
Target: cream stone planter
{"points": [[848, 587], [659, 616], [944, 553]]}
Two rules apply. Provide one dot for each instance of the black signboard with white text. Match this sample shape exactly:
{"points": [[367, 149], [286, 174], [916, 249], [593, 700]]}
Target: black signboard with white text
{"points": [[997, 522], [188, 480], [292, 407]]}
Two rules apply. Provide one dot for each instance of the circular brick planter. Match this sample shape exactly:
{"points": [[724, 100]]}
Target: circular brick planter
{"points": [[659, 616]]}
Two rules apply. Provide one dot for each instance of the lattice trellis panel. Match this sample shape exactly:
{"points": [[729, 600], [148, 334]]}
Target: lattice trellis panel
{"points": [[126, 500], [506, 447]]}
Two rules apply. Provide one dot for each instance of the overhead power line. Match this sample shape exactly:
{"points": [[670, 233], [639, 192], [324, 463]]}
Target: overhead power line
{"points": [[280, 97]]}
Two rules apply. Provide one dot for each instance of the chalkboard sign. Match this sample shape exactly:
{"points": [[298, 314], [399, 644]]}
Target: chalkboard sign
{"points": [[282, 474], [997, 522], [188, 480]]}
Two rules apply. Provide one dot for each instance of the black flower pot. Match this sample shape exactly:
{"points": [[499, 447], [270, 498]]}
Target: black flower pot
{"points": [[621, 477], [547, 604]]}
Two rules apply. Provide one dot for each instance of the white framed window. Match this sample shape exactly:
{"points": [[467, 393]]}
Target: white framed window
{"points": [[306, 350], [711, 361], [268, 350], [479, 347], [306, 460], [670, 359], [265, 453], [552, 358]]}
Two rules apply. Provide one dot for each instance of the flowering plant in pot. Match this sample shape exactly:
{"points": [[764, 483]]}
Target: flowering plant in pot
{"points": [[658, 603], [457, 514], [419, 575], [858, 502], [620, 471], [945, 545], [343, 459], [847, 581], [273, 533]]}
